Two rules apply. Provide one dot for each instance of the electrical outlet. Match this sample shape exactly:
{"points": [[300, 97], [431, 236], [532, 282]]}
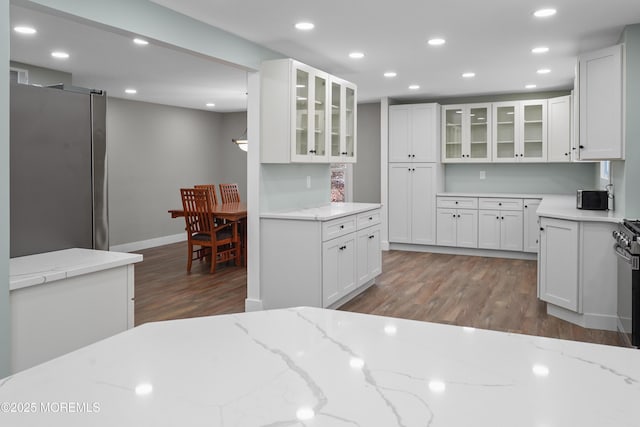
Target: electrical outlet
{"points": [[483, 174], [308, 181]]}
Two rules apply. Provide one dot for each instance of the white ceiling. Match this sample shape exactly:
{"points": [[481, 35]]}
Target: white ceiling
{"points": [[492, 38]]}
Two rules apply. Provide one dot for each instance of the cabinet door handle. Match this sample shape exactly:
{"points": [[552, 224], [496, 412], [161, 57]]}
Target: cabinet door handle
{"points": [[372, 236], [526, 206], [541, 229], [409, 155], [342, 227], [456, 202], [312, 151], [458, 215], [454, 215], [581, 147], [413, 155], [370, 218], [413, 170], [499, 203], [501, 217], [342, 248]]}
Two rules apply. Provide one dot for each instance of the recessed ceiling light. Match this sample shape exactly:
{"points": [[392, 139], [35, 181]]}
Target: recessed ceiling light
{"points": [[468, 75], [543, 71], [356, 55], [141, 42], [543, 13], [436, 42], [305, 26], [130, 91], [210, 104], [414, 87], [531, 86], [59, 54], [24, 30], [540, 49], [390, 74]]}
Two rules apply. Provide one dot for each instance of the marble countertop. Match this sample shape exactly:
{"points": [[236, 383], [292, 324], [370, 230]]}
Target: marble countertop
{"points": [[564, 207], [323, 213], [48, 267], [317, 367]]}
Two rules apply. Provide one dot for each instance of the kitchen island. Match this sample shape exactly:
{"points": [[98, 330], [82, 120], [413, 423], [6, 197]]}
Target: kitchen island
{"points": [[319, 367], [64, 300]]}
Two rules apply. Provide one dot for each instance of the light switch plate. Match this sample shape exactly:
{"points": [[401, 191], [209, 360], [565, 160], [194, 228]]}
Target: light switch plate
{"points": [[483, 174]]}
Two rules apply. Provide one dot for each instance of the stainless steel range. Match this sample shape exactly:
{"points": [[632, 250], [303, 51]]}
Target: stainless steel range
{"points": [[627, 248]]}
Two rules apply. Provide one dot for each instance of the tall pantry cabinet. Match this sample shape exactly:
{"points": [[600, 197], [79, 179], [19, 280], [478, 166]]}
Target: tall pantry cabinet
{"points": [[415, 174]]}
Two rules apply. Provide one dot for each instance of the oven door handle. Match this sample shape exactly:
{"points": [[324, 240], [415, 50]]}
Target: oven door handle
{"points": [[626, 256]]}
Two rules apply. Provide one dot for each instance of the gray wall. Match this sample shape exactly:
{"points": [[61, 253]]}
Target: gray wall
{"points": [[44, 76], [5, 350], [153, 151], [547, 178], [366, 172]]}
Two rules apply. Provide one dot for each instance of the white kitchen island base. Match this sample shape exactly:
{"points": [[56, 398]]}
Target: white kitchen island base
{"points": [[64, 300]]}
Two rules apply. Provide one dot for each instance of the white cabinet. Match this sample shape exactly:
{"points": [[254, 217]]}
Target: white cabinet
{"points": [[457, 222], [500, 224], [412, 190], [414, 133], [369, 255], [520, 131], [531, 225], [308, 262], [601, 104], [466, 133], [338, 268], [343, 121], [298, 117], [558, 262], [559, 125]]}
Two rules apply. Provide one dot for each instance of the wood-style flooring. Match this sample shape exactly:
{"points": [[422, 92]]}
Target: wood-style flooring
{"points": [[487, 293]]}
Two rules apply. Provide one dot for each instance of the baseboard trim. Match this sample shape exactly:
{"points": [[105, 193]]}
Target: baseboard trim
{"points": [[586, 320], [463, 251], [251, 304], [150, 243]]}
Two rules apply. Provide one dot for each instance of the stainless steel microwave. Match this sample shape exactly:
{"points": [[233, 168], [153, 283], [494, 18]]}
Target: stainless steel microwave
{"points": [[596, 200]]}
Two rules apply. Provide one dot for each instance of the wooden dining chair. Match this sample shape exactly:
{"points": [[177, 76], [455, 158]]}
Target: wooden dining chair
{"points": [[215, 242], [212, 189], [229, 193]]}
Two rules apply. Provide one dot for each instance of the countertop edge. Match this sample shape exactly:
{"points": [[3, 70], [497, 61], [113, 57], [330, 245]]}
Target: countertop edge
{"points": [[309, 215]]}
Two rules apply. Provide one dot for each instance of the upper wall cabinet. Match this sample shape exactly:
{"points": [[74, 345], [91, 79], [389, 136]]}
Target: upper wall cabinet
{"points": [[600, 92], [343, 124], [414, 133], [520, 131], [299, 111], [559, 129], [466, 133]]}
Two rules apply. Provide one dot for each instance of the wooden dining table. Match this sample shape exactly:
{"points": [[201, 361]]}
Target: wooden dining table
{"points": [[236, 211]]}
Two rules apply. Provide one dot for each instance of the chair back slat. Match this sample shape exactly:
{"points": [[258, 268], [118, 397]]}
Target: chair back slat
{"points": [[229, 193], [197, 206], [212, 189]]}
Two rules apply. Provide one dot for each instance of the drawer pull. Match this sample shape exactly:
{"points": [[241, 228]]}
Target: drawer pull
{"points": [[370, 218], [372, 236]]}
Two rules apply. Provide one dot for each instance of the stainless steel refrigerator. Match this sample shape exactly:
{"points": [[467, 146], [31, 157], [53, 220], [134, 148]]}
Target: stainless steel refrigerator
{"points": [[58, 169]]}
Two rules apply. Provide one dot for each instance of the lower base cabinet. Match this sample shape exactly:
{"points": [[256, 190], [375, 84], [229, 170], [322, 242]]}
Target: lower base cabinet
{"points": [[558, 262], [500, 230], [457, 227], [318, 263]]}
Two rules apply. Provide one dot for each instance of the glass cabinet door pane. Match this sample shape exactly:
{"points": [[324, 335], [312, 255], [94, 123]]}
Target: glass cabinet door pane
{"points": [[336, 102], [302, 112], [350, 122], [478, 121], [320, 107], [533, 130], [505, 132], [453, 137]]}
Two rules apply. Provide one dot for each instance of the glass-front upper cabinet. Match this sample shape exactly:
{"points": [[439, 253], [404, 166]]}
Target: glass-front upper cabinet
{"points": [[520, 131], [310, 115], [306, 115], [343, 121], [466, 133]]}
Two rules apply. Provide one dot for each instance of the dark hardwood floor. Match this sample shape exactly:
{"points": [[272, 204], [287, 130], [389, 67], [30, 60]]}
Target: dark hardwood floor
{"points": [[487, 293]]}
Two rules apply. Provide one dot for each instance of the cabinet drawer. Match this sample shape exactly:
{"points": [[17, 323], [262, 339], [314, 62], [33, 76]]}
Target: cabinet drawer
{"points": [[366, 219], [338, 227], [457, 202], [501, 204]]}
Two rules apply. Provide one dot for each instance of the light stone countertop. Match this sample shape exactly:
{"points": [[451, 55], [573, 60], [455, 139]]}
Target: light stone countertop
{"points": [[564, 207], [329, 368], [48, 267], [493, 195], [323, 213]]}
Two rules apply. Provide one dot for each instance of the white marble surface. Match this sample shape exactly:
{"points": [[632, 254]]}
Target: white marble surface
{"points": [[48, 267], [315, 367], [323, 213], [564, 207]]}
